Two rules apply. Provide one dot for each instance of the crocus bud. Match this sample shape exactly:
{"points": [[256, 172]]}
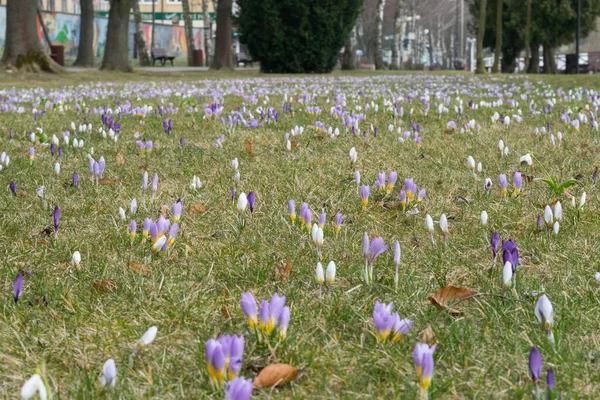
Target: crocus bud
{"points": [[242, 203], [484, 218], [133, 206], [429, 223], [556, 227], [18, 287], [535, 364], [545, 314], [582, 200], [76, 259], [330, 273], [548, 215], [109, 374], [507, 274], [251, 200], [471, 163], [526, 159], [397, 253], [145, 181], [159, 243], [149, 336], [132, 229], [121, 213], [444, 223], [558, 211], [320, 275]]}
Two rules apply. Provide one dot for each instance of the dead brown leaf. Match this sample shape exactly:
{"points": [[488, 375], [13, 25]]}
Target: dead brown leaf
{"points": [[197, 208], [105, 285], [427, 336], [164, 210], [109, 181], [444, 297], [249, 147], [226, 312], [120, 159], [282, 270], [276, 375], [139, 268], [294, 145]]}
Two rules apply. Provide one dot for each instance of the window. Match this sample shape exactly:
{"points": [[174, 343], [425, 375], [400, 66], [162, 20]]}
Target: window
{"points": [[174, 1], [76, 7], [64, 7], [149, 1]]}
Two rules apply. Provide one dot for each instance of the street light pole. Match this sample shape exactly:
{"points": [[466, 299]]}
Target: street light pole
{"points": [[577, 36]]}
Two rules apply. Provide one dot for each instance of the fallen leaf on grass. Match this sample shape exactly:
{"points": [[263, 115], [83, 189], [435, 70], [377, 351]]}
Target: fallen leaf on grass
{"points": [[139, 268], [249, 147], [164, 210], [444, 297], [197, 208], [109, 181], [225, 311], [276, 375], [105, 285], [120, 159], [427, 336], [282, 270]]}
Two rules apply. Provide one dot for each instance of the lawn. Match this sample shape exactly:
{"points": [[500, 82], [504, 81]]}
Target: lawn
{"points": [[70, 318]]}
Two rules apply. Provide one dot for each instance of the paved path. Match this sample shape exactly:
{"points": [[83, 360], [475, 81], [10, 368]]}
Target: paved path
{"points": [[161, 69]]}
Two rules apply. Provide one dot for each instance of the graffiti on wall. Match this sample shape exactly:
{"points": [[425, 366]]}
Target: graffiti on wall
{"points": [[63, 29]]}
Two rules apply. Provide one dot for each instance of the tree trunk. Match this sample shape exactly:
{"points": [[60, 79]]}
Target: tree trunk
{"points": [[116, 51], [207, 32], [549, 62], [498, 47], [189, 33], [140, 39], [527, 36], [22, 47], [85, 50], [222, 58], [534, 61], [349, 57], [430, 49], [396, 41], [379, 37], [480, 31], [153, 25]]}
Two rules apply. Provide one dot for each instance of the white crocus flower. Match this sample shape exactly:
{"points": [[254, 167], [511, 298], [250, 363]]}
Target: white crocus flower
{"points": [[558, 211], [582, 200], [484, 218], [429, 223], [57, 168], [242, 203], [545, 314], [109, 374], [76, 259], [556, 228], [471, 163], [34, 385], [320, 274], [444, 223], [149, 335], [526, 159], [507, 274], [548, 217], [133, 206], [330, 274], [121, 213]]}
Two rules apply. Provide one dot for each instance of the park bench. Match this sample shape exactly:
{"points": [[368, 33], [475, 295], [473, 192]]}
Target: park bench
{"points": [[161, 55], [243, 59]]}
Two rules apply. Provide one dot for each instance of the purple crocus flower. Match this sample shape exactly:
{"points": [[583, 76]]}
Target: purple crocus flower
{"points": [[56, 219], [52, 149], [18, 287], [101, 165], [550, 379], [421, 195], [383, 320], [60, 151], [517, 182], [403, 198], [263, 315], [292, 210], [132, 229], [539, 222], [239, 389], [149, 145], [595, 176], [181, 142], [397, 254], [322, 219], [283, 322], [248, 305], [154, 183], [365, 247], [338, 222], [494, 242], [251, 199], [503, 183], [173, 234], [146, 228], [75, 179], [13, 187], [364, 195], [510, 253], [275, 307], [232, 194], [423, 359], [392, 178], [377, 247], [401, 327], [176, 210], [380, 181], [10, 134], [535, 364]]}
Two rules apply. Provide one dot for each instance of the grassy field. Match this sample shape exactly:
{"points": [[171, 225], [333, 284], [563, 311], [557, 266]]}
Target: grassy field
{"points": [[68, 323]]}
